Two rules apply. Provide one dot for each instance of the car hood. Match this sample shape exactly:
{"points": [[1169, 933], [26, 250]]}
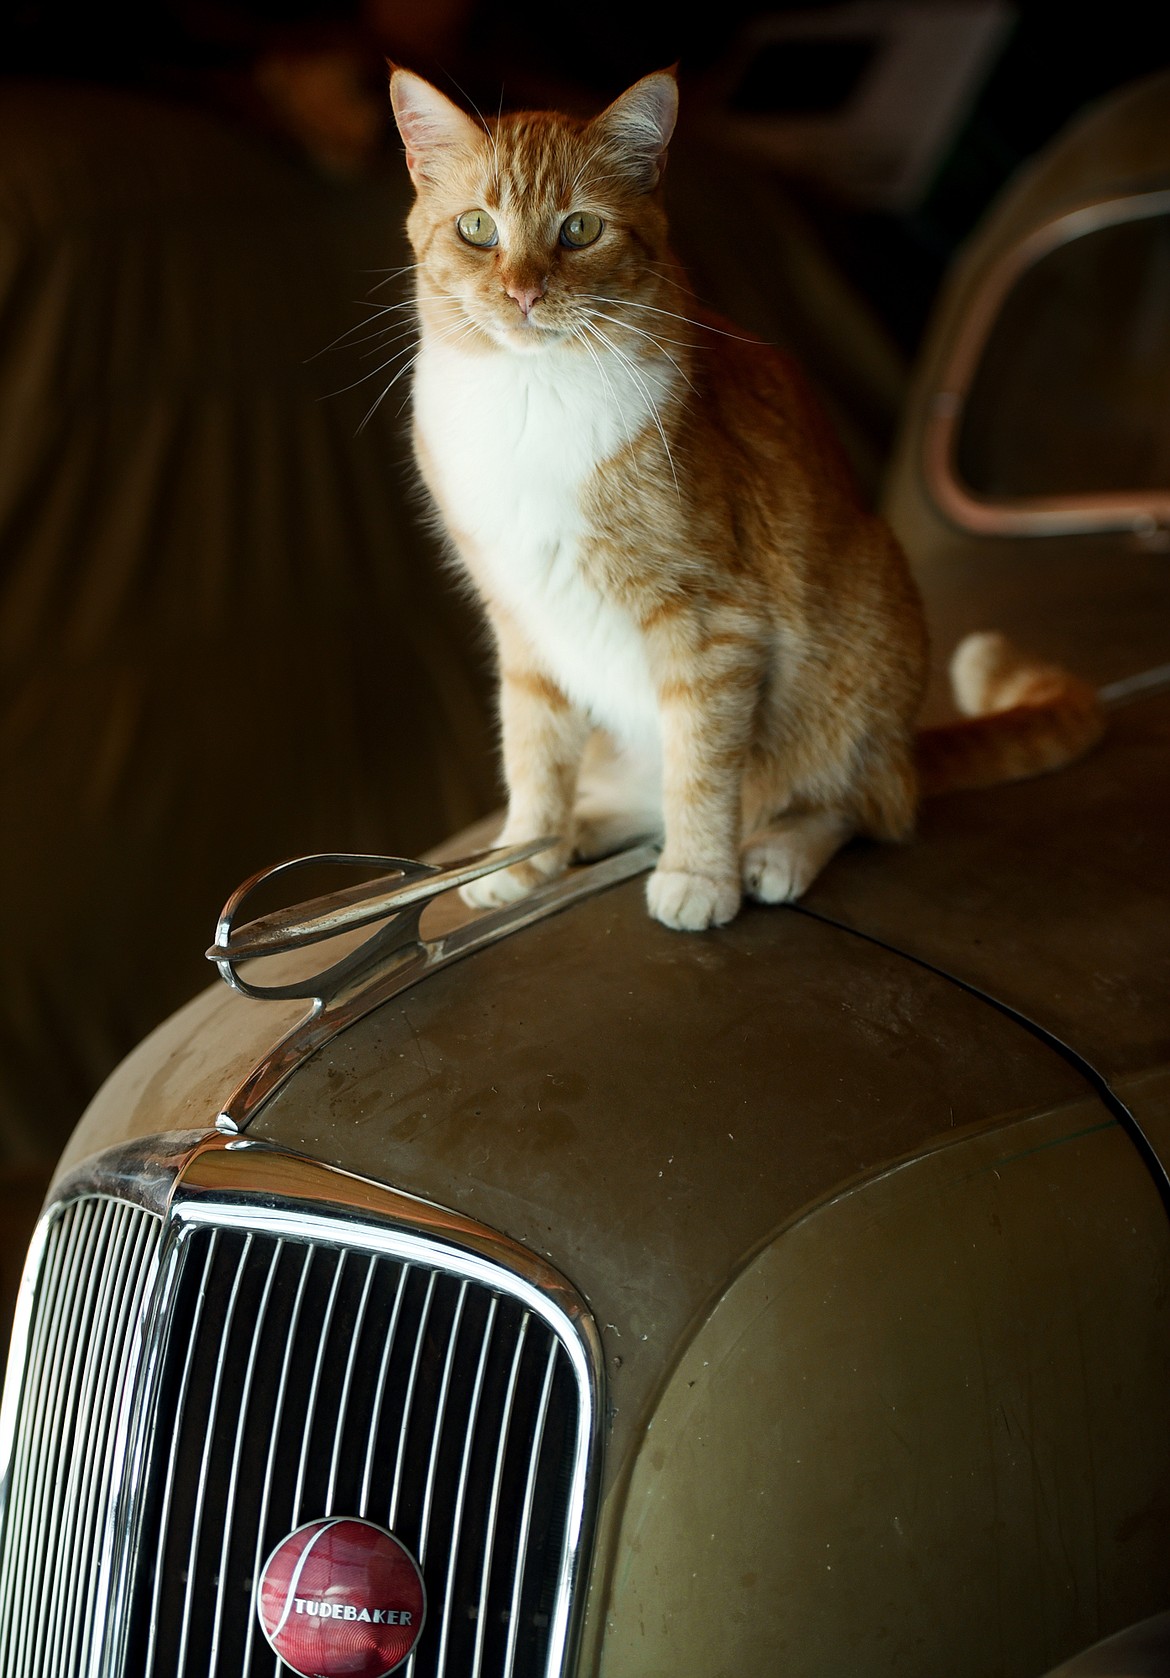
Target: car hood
{"points": [[1050, 896]]}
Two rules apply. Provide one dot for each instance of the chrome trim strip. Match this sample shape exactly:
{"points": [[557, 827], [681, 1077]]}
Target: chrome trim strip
{"points": [[34, 1498], [262, 1192], [380, 1389], [440, 1418], [110, 1563], [408, 1400], [1145, 513], [494, 1502], [141, 1172], [386, 964], [205, 1462], [461, 1494], [168, 1493], [98, 1301], [92, 1265], [1135, 687], [315, 1386], [237, 1449], [529, 1280], [278, 1412], [43, 1261], [479, 1255], [145, 1368], [526, 1517], [89, 1589], [347, 1383]]}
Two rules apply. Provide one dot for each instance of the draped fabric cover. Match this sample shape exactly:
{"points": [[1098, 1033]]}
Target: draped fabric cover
{"points": [[225, 635]]}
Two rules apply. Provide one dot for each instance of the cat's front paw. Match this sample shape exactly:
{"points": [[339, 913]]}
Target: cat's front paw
{"points": [[776, 871], [692, 902], [781, 863], [509, 885]]}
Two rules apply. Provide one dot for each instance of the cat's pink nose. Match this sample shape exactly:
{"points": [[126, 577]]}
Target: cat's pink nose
{"points": [[525, 296]]}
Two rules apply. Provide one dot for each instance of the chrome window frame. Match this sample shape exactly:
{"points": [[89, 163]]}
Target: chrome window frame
{"points": [[1145, 513]]}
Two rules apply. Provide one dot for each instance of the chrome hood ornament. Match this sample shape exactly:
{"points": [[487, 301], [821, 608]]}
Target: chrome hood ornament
{"points": [[394, 956]]}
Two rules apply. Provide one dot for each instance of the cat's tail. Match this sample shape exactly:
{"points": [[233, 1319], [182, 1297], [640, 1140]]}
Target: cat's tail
{"points": [[1021, 718]]}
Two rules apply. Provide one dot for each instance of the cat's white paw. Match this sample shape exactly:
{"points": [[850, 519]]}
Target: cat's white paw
{"points": [[780, 864], [691, 902], [509, 885], [776, 871]]}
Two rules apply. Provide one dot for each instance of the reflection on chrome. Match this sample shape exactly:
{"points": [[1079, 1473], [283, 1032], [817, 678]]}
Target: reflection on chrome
{"points": [[389, 960], [257, 1340]]}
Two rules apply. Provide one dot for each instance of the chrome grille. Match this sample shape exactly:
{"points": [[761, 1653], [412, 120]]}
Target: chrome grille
{"points": [[297, 1362], [98, 1259]]}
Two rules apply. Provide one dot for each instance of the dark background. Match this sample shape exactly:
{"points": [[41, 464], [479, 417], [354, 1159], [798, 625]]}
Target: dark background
{"points": [[1056, 59]]}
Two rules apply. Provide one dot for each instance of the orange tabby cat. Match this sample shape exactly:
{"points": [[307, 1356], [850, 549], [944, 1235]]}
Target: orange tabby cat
{"points": [[663, 532]]}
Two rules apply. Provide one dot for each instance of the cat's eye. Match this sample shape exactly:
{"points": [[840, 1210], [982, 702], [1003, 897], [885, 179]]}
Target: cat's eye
{"points": [[476, 227], [580, 229]]}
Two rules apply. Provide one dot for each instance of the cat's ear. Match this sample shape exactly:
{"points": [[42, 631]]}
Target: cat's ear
{"points": [[430, 124], [639, 125]]}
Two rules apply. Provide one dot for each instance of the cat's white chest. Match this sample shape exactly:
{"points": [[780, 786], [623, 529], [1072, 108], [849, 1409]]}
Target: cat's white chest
{"points": [[512, 441]]}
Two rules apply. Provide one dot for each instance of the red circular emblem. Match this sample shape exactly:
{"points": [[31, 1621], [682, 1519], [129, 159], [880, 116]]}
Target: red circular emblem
{"points": [[341, 1598]]}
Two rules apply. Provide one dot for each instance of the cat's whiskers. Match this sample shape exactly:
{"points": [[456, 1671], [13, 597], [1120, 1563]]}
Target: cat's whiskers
{"points": [[340, 341], [392, 274], [610, 395], [659, 273], [654, 338], [626, 326], [688, 320], [407, 304], [388, 334], [372, 372], [647, 395], [402, 330], [409, 329], [454, 333], [409, 322]]}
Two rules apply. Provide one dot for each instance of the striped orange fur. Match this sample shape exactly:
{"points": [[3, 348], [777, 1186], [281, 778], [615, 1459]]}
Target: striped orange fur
{"points": [[664, 534]]}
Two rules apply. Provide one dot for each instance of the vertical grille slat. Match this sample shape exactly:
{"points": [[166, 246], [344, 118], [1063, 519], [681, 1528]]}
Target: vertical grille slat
{"points": [[237, 1448], [98, 1261], [80, 1587], [83, 1402], [343, 1405], [30, 1504], [534, 1458], [380, 1390], [172, 1460], [315, 1388], [291, 1368], [438, 1419], [408, 1400], [205, 1455], [47, 1370], [306, 1257], [489, 1536], [464, 1468], [54, 1511]]}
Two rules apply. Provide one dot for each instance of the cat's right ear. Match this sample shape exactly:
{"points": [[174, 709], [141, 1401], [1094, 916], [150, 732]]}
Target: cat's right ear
{"points": [[431, 126], [639, 126]]}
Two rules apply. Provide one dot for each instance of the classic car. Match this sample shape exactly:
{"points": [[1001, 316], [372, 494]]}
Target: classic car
{"points": [[540, 1291]]}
